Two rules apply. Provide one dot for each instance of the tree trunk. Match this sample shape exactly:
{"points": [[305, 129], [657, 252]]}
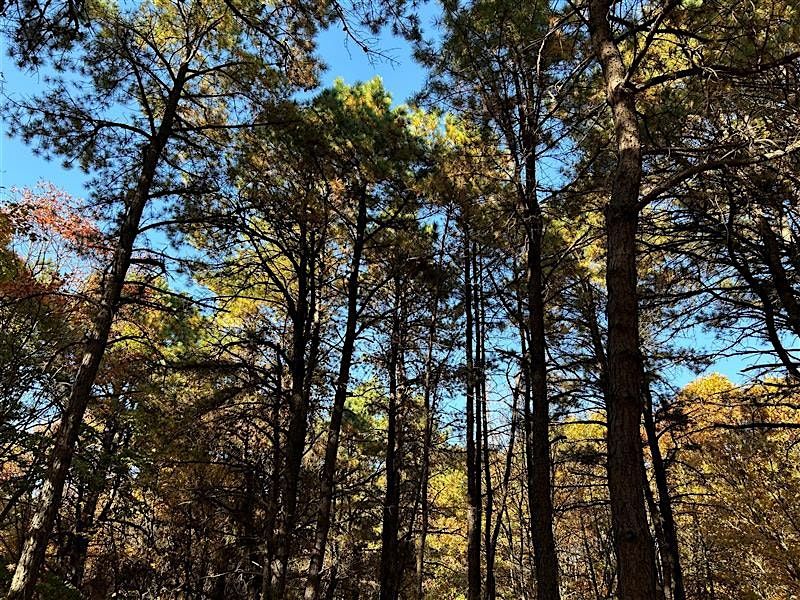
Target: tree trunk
{"points": [[675, 583], [419, 583], [515, 393], [780, 280], [760, 289], [664, 576], [31, 561], [429, 415], [473, 444], [273, 497], [537, 406], [337, 410], [389, 575], [274, 588], [632, 541], [490, 591]]}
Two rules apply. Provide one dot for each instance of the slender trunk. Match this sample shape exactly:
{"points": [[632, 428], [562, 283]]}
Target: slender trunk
{"points": [[389, 575], [675, 583], [633, 543], [337, 410], [473, 448], [273, 496], [598, 348], [424, 518], [477, 382], [330, 591], [429, 415], [490, 591], [507, 471], [590, 563], [525, 376], [23, 488], [247, 530], [274, 587], [295, 446], [664, 574], [31, 561], [537, 409]]}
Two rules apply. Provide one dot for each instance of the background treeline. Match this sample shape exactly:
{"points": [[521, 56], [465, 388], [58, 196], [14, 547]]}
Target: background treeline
{"points": [[303, 343]]}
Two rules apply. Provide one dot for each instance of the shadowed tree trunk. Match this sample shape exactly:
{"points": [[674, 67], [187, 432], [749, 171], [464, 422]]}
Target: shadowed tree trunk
{"points": [[537, 405], [300, 363], [390, 569], [673, 579], [31, 560], [632, 541], [86, 513], [337, 410], [537, 416], [431, 382], [275, 587], [482, 410], [490, 591], [663, 573], [473, 437]]}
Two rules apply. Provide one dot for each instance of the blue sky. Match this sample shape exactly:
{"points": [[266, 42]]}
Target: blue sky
{"points": [[401, 75]]}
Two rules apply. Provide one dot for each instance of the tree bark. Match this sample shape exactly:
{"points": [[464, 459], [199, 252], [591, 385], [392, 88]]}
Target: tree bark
{"points": [[632, 541], [780, 280], [663, 573], [389, 575], [337, 410], [86, 510], [30, 563], [273, 498], [537, 405], [274, 587], [537, 423], [483, 409], [430, 382], [473, 437], [675, 581]]}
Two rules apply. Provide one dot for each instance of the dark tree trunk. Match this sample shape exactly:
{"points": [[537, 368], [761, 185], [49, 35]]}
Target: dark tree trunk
{"points": [[473, 440], [333, 580], [389, 570], [275, 587], [429, 415], [664, 576], [301, 314], [537, 432], [337, 410], [674, 582], [31, 560], [780, 280], [273, 497], [506, 472], [760, 289], [490, 586], [633, 543], [537, 406], [424, 518]]}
